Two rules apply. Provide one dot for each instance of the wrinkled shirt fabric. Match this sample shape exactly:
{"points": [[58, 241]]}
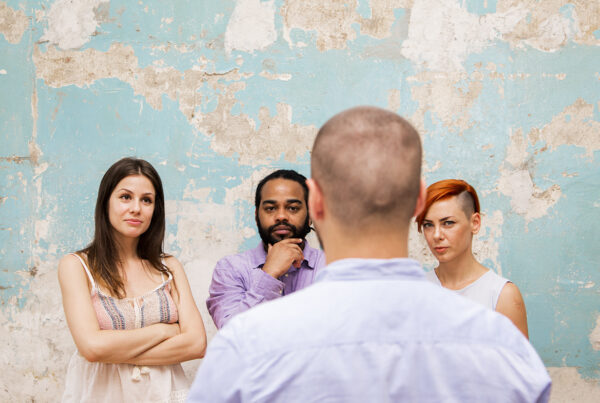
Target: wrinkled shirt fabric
{"points": [[239, 283], [371, 331]]}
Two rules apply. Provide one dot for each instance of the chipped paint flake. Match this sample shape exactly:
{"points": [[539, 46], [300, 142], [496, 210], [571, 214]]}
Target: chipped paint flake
{"points": [[569, 386], [71, 22], [251, 26], [13, 23]]}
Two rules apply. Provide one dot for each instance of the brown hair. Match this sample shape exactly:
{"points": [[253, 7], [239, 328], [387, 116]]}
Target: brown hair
{"points": [[102, 253]]}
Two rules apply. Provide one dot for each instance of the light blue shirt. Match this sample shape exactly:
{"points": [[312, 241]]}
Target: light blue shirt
{"points": [[371, 331]]}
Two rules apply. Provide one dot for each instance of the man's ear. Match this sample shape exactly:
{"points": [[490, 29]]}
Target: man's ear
{"points": [[316, 206], [421, 199]]}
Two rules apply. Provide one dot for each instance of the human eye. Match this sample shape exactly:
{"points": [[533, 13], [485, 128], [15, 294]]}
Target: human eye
{"points": [[269, 208], [147, 200], [294, 209], [448, 223], [125, 196], [427, 225]]}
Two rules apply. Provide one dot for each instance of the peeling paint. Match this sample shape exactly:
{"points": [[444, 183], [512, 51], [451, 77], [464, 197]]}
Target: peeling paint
{"points": [[526, 198], [71, 23], [442, 33], [546, 28], [438, 93], [575, 125], [331, 19], [13, 23], [251, 26]]}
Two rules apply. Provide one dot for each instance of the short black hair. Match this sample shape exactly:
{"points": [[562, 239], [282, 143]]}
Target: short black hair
{"points": [[288, 174]]}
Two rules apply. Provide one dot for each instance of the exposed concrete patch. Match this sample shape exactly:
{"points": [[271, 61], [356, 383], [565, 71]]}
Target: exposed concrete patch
{"points": [[595, 334], [332, 20], [394, 99], [441, 94], [251, 26], [382, 18], [13, 23], [548, 26], [71, 22], [569, 386], [230, 134], [575, 125], [442, 34]]}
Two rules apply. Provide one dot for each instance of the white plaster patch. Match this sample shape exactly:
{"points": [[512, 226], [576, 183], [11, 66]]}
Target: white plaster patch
{"points": [[595, 335], [526, 198], [441, 33], [13, 23], [3, 72], [251, 26], [71, 22], [272, 76], [568, 386]]}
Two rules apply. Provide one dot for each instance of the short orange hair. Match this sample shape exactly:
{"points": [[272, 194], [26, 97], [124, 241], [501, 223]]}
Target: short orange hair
{"points": [[444, 189]]}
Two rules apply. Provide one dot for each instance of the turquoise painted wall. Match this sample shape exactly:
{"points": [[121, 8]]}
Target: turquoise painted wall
{"points": [[216, 94]]}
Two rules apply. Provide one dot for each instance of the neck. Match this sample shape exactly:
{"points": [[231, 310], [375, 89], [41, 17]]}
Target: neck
{"points": [[127, 248], [461, 269], [364, 244]]}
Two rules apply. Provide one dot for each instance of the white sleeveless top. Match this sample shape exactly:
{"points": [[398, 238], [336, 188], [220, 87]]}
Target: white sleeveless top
{"points": [[485, 290]]}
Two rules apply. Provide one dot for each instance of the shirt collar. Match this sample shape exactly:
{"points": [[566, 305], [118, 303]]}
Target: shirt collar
{"points": [[311, 255], [371, 269]]}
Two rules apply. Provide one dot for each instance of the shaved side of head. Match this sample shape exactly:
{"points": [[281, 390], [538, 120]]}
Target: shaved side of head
{"points": [[467, 204], [367, 162]]}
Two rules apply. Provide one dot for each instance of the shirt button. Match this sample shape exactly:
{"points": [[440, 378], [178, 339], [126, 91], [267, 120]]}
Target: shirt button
{"points": [[280, 291], [285, 275]]}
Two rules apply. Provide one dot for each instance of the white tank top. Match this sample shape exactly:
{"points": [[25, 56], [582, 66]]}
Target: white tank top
{"points": [[485, 290]]}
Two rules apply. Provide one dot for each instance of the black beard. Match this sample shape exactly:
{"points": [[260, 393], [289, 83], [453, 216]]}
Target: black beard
{"points": [[268, 239]]}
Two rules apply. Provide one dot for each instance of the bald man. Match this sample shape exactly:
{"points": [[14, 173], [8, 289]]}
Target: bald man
{"points": [[371, 328]]}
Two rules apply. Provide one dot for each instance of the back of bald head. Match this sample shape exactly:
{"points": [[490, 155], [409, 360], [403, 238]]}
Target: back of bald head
{"points": [[367, 162]]}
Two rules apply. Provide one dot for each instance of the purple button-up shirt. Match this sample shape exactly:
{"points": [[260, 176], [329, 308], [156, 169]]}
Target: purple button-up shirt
{"points": [[239, 283]]}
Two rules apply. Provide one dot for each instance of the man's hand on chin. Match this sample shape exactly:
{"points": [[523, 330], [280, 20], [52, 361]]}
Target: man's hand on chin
{"points": [[282, 255]]}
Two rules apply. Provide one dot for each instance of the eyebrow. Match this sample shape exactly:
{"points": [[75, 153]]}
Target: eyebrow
{"points": [[289, 201], [129, 191], [441, 219]]}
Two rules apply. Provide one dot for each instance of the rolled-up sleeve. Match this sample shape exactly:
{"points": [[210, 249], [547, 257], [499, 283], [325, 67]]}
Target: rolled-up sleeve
{"points": [[237, 287]]}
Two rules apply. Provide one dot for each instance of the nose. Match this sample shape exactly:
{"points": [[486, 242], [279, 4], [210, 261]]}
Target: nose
{"points": [[281, 215], [135, 206], [437, 232]]}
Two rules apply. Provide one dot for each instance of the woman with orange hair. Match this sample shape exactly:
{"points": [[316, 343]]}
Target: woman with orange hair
{"points": [[450, 219]]}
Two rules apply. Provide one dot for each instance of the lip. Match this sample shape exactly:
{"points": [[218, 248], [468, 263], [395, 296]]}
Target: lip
{"points": [[282, 230], [133, 222], [441, 249]]}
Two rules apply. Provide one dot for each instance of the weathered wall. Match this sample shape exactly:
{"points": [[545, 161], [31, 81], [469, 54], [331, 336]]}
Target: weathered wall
{"points": [[506, 94]]}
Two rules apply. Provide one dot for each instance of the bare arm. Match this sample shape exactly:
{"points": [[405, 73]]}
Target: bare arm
{"points": [[94, 344], [511, 304], [191, 342]]}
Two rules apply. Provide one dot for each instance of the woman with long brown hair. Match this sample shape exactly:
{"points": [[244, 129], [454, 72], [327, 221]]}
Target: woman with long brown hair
{"points": [[450, 219], [128, 305]]}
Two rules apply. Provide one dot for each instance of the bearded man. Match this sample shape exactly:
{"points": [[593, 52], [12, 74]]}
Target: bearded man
{"points": [[282, 263]]}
